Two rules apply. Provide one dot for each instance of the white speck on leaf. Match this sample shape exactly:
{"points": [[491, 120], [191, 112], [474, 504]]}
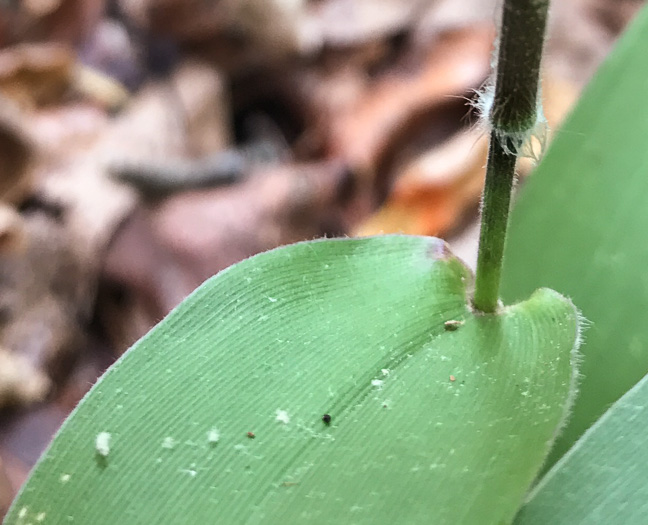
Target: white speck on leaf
{"points": [[191, 470], [102, 443], [452, 325], [40, 516], [385, 371], [168, 442], [22, 513], [272, 299], [378, 383], [282, 416], [213, 436], [64, 478]]}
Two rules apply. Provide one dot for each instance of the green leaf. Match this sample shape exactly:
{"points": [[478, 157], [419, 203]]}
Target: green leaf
{"points": [[428, 424], [580, 227], [604, 477]]}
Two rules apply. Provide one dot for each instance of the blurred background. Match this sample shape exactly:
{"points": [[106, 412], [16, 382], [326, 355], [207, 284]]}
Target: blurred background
{"points": [[145, 145]]}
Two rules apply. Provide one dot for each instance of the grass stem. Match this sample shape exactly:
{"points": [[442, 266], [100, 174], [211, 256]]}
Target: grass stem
{"points": [[513, 116]]}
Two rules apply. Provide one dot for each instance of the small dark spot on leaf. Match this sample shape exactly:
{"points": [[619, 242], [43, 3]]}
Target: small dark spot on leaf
{"points": [[251, 435], [326, 418], [102, 461]]}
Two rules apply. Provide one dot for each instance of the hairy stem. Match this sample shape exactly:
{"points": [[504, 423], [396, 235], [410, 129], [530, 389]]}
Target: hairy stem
{"points": [[512, 117], [496, 202]]}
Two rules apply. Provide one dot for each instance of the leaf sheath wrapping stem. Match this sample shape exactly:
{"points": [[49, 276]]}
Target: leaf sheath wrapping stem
{"points": [[522, 33]]}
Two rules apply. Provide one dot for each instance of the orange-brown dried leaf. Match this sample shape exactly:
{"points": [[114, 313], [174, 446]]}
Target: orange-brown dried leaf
{"points": [[377, 117], [434, 191], [437, 189], [36, 74]]}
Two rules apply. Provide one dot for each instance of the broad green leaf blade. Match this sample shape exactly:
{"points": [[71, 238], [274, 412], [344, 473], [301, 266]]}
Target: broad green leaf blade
{"points": [[428, 425], [580, 227], [604, 476]]}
